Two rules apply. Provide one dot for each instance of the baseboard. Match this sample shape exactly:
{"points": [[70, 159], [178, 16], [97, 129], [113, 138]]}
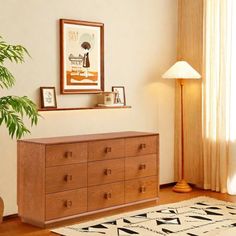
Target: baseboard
{"points": [[8, 217], [174, 183], [167, 185]]}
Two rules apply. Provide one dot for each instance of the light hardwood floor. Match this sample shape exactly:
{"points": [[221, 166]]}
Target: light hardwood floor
{"points": [[12, 227]]}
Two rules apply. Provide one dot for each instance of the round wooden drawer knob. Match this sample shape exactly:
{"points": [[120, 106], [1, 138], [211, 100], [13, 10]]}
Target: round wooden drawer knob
{"points": [[68, 204], [68, 154], [142, 189], [68, 178], [107, 171], [142, 166], [107, 196], [108, 149], [142, 146]]}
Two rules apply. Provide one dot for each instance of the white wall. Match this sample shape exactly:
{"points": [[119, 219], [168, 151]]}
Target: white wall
{"points": [[140, 44]]}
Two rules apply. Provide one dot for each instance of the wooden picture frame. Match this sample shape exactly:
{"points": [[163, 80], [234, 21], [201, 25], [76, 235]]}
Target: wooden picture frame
{"points": [[48, 97], [81, 56], [120, 95]]}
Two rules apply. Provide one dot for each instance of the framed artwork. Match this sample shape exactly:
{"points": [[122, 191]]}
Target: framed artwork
{"points": [[81, 56], [48, 97], [119, 95]]}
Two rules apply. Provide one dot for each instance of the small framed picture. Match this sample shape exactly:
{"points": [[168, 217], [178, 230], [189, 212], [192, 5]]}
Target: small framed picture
{"points": [[119, 94], [48, 97]]}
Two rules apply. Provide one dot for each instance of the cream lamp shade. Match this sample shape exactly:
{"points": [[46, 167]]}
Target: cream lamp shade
{"points": [[181, 70]]}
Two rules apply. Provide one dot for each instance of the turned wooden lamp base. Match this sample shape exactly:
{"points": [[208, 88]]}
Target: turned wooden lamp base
{"points": [[182, 187]]}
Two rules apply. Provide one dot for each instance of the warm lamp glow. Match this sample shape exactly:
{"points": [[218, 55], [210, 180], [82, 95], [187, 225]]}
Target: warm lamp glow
{"points": [[181, 70]]}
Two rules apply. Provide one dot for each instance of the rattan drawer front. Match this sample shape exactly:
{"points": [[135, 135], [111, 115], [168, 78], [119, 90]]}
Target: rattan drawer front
{"points": [[140, 166], [66, 203], [63, 154], [107, 195], [140, 189], [61, 178], [140, 146], [103, 172], [107, 149]]}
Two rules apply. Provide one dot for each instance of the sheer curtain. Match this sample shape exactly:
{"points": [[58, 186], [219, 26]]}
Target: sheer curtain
{"points": [[219, 96]]}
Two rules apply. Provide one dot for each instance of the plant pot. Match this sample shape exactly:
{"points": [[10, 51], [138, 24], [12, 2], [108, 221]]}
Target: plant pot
{"points": [[1, 209]]}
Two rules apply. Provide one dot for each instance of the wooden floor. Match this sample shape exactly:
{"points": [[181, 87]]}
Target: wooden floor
{"points": [[13, 226]]}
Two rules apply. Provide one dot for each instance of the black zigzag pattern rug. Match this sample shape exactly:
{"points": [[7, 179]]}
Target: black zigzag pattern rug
{"points": [[200, 216]]}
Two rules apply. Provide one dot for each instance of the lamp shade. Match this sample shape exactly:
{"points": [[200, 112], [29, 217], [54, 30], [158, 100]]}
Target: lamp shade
{"points": [[181, 70]]}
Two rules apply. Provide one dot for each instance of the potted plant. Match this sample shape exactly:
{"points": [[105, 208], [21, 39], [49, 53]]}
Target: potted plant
{"points": [[14, 108]]}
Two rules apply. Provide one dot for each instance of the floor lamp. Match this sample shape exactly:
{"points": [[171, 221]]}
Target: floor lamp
{"points": [[181, 70]]}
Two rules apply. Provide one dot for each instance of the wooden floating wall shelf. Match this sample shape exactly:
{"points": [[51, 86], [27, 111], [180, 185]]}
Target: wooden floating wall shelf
{"points": [[81, 108]]}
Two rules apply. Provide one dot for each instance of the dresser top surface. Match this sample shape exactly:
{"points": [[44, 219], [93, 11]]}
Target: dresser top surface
{"points": [[88, 137]]}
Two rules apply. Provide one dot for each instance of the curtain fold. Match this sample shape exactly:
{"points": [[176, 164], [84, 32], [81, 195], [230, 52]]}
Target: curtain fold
{"points": [[217, 94]]}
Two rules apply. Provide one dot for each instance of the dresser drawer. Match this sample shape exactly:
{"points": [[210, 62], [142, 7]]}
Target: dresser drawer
{"points": [[66, 203], [61, 178], [140, 189], [140, 166], [140, 146], [107, 149], [105, 196], [63, 154], [103, 172]]}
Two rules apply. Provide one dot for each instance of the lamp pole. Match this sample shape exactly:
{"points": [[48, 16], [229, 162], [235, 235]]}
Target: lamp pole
{"points": [[182, 127], [182, 186]]}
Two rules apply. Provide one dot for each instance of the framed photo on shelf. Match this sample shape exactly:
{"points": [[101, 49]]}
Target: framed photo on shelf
{"points": [[119, 95], [81, 56], [48, 97]]}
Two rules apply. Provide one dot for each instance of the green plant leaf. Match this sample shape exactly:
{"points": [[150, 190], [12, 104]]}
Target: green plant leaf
{"points": [[7, 80], [12, 52], [14, 108]]}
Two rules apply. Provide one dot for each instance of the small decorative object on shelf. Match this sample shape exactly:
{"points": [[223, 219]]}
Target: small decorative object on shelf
{"points": [[119, 95], [48, 97], [106, 99]]}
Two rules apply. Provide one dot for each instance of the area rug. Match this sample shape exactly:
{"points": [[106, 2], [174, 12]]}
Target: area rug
{"points": [[194, 217]]}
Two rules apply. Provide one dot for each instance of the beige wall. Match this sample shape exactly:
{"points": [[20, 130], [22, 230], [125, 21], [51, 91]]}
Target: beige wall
{"points": [[140, 44]]}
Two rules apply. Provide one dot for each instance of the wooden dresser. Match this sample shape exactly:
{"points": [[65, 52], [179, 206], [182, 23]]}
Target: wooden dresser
{"points": [[66, 177]]}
